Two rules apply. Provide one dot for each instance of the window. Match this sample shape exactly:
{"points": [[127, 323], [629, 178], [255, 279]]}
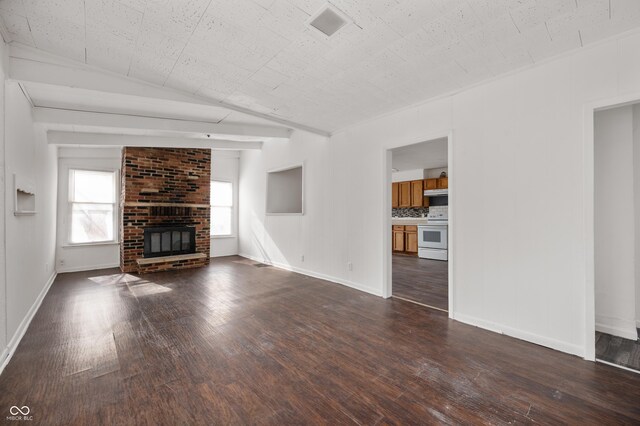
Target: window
{"points": [[92, 199], [221, 208]]}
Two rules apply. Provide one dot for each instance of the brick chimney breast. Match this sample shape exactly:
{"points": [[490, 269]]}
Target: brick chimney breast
{"points": [[164, 187]]}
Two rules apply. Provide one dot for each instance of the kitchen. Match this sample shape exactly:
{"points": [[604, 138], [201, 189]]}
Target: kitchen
{"points": [[419, 205]]}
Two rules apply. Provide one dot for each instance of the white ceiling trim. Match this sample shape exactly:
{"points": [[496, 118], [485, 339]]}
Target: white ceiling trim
{"points": [[54, 116], [27, 64], [62, 138]]}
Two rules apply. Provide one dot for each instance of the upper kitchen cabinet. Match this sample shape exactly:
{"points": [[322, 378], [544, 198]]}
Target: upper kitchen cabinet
{"points": [[395, 194], [436, 183], [404, 194], [417, 193], [408, 194]]}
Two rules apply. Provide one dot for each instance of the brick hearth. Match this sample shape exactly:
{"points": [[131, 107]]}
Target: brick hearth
{"points": [[163, 187]]}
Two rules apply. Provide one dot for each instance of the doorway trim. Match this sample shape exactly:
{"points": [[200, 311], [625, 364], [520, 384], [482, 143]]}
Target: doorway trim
{"points": [[588, 136], [386, 222]]}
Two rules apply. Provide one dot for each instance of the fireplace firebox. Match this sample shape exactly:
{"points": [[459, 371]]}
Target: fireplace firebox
{"points": [[169, 241]]}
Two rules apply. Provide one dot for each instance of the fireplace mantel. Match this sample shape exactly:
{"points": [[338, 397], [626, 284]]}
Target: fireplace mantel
{"points": [[154, 204]]}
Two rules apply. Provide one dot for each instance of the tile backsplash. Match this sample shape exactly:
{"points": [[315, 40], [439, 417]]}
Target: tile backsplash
{"points": [[410, 212], [439, 210]]}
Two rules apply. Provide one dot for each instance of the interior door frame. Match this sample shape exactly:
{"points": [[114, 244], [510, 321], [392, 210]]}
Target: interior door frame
{"points": [[589, 110], [386, 208]]}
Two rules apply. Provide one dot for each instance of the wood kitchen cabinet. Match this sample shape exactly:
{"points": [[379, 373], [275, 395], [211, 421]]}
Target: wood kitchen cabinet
{"points": [[417, 193], [430, 184], [405, 239], [404, 194], [398, 238], [411, 239], [395, 195], [410, 194], [436, 183]]}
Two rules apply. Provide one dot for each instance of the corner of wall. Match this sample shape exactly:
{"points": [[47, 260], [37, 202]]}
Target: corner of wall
{"points": [[636, 194], [4, 350]]}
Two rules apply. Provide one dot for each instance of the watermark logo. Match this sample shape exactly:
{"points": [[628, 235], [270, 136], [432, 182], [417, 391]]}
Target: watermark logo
{"points": [[19, 413]]}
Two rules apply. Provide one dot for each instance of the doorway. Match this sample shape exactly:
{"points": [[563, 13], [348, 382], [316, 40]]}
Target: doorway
{"points": [[617, 235], [418, 212]]}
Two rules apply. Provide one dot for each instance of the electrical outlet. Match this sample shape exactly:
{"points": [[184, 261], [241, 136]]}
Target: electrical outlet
{"points": [[302, 258], [61, 261], [350, 266]]}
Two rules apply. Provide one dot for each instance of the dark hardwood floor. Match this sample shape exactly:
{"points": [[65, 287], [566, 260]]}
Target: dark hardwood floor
{"points": [[236, 344], [617, 350], [422, 280]]}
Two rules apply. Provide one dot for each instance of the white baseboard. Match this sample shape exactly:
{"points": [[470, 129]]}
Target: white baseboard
{"points": [[616, 327], [223, 254], [64, 270], [314, 274], [522, 335], [4, 358], [487, 325], [24, 325], [617, 366]]}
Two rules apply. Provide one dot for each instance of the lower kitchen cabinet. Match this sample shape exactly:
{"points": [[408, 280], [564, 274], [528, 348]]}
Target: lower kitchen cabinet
{"points": [[411, 240], [398, 240], [405, 239]]}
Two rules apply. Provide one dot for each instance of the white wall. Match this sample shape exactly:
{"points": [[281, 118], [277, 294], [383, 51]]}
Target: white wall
{"points": [[636, 187], [3, 285], [520, 136], [320, 234], [405, 175], [30, 240], [225, 167], [435, 173], [615, 298], [82, 257]]}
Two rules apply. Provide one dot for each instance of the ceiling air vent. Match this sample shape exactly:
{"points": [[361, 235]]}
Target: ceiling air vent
{"points": [[328, 21]]}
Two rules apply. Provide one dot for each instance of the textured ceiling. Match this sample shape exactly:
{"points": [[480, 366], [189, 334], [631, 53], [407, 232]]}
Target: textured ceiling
{"points": [[262, 55]]}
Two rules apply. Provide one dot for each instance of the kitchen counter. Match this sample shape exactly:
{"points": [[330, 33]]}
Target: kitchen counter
{"points": [[408, 220]]}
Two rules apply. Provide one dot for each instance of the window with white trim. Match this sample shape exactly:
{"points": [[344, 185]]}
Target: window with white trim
{"points": [[221, 208], [92, 206]]}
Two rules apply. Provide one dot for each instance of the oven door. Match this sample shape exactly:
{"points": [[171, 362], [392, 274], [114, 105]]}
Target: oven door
{"points": [[434, 237]]}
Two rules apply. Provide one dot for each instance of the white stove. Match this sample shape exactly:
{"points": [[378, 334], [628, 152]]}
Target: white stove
{"points": [[433, 237]]}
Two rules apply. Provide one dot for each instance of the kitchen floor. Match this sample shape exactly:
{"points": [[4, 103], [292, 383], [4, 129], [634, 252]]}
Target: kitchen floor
{"points": [[617, 350], [424, 281]]}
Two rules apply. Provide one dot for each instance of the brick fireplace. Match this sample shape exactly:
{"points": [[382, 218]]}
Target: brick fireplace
{"points": [[164, 221]]}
